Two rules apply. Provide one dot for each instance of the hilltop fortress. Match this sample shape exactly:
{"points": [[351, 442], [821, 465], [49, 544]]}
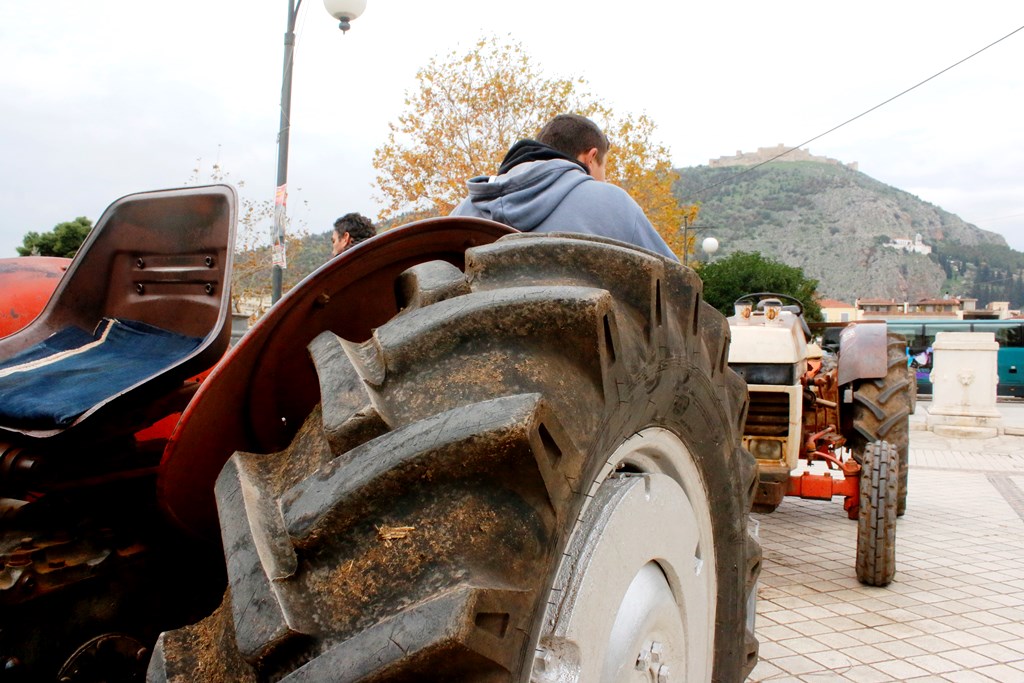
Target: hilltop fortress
{"points": [[764, 154]]}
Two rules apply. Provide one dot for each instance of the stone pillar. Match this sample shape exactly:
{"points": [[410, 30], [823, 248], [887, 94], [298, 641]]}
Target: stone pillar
{"points": [[964, 378]]}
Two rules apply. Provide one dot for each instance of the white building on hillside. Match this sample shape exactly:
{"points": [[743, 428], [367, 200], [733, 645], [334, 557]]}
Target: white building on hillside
{"points": [[915, 245]]}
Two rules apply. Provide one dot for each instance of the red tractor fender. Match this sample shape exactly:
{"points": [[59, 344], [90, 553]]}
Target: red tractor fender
{"points": [[27, 283], [257, 397], [862, 352]]}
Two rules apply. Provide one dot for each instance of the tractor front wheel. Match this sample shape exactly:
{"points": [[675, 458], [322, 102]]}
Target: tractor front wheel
{"points": [[876, 522]]}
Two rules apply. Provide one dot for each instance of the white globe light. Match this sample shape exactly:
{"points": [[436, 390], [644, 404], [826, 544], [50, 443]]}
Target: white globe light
{"points": [[345, 10], [710, 245]]}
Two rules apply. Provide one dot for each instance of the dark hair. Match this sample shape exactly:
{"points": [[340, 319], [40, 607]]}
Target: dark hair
{"points": [[358, 226], [572, 134]]}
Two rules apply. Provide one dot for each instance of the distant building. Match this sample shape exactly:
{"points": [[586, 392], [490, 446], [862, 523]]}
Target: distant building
{"points": [[938, 307], [994, 310], [868, 309], [915, 245], [948, 307], [836, 311], [765, 154]]}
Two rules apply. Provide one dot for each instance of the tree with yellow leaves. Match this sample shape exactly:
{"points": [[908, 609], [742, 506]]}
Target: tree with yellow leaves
{"points": [[471, 107]]}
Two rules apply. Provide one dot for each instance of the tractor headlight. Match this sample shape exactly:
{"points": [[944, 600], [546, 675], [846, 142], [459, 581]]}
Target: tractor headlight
{"points": [[766, 449]]}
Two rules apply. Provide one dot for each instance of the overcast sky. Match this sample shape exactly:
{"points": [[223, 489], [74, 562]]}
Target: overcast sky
{"points": [[109, 97]]}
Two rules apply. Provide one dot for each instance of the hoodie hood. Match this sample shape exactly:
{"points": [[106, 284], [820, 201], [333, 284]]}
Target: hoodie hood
{"points": [[531, 150], [528, 193]]}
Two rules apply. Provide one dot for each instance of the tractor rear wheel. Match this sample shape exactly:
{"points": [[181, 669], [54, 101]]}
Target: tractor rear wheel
{"points": [[534, 472], [876, 521], [881, 411]]}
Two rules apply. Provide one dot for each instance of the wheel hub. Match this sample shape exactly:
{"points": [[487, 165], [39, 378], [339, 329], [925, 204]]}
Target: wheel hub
{"points": [[634, 599]]}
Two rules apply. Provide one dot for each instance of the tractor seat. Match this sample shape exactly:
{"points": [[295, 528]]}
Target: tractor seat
{"points": [[142, 308], [50, 384]]}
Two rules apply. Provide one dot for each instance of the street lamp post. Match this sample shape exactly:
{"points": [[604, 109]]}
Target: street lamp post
{"points": [[710, 244], [344, 11]]}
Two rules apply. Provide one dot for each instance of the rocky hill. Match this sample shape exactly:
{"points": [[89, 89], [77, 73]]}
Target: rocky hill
{"points": [[833, 222]]}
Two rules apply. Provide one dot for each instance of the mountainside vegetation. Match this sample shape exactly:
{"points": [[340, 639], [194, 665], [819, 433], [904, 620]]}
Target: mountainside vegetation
{"points": [[833, 222]]}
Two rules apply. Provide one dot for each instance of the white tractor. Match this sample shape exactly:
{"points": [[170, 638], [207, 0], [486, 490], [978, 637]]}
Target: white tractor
{"points": [[848, 410]]}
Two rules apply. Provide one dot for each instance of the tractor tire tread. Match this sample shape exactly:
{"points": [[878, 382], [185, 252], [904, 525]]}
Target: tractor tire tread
{"points": [[369, 548]]}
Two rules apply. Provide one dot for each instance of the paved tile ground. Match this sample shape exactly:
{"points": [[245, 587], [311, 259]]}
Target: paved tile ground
{"points": [[955, 610]]}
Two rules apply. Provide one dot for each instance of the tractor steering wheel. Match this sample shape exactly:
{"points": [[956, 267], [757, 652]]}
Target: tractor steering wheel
{"points": [[756, 297]]}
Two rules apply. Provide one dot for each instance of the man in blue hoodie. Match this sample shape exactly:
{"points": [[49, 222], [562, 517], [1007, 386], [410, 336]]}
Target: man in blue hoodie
{"points": [[556, 184]]}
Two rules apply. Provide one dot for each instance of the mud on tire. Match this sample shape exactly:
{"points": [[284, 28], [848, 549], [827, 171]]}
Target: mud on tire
{"points": [[422, 521], [882, 410]]}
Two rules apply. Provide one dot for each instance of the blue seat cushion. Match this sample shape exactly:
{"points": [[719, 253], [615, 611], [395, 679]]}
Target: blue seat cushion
{"points": [[50, 384]]}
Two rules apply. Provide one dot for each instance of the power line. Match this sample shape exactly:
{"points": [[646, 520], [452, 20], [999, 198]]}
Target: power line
{"points": [[1000, 218], [864, 113]]}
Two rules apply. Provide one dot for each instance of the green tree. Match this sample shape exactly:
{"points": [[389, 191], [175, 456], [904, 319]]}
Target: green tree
{"points": [[64, 240], [744, 272]]}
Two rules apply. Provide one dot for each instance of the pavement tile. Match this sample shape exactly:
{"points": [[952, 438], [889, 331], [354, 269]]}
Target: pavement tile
{"points": [[967, 676], [900, 630], [840, 624], [934, 664], [981, 603], [809, 593], [900, 649], [968, 658], [768, 594], [867, 674], [838, 641], [798, 664], [867, 654], [832, 660], [958, 622], [962, 638], [928, 611], [988, 617], [900, 670], [810, 628], [869, 636], [803, 645], [1000, 672], [899, 615], [991, 634], [769, 650], [788, 616], [873, 619], [765, 671], [825, 677], [930, 643], [1017, 645], [1016, 629], [813, 612], [930, 625], [771, 633], [791, 602], [845, 609], [999, 653]]}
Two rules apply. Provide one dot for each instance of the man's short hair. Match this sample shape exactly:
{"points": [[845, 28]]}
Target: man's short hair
{"points": [[358, 226], [572, 134]]}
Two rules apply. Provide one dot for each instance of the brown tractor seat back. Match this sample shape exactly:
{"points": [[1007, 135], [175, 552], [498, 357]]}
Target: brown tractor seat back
{"points": [[158, 262]]}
